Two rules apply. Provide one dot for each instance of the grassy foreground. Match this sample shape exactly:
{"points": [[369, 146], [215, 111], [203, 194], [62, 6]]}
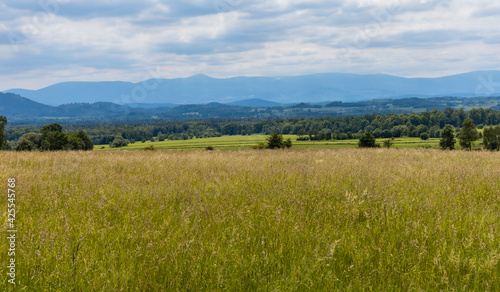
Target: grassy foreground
{"points": [[286, 220]]}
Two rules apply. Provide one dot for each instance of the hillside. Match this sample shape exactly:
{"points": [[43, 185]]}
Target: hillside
{"points": [[13, 105], [18, 108]]}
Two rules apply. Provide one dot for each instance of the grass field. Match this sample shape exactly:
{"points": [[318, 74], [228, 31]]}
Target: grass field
{"points": [[245, 142], [284, 220]]}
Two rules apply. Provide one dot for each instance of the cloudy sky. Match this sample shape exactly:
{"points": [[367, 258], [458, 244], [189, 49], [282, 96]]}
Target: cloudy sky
{"points": [[48, 41]]}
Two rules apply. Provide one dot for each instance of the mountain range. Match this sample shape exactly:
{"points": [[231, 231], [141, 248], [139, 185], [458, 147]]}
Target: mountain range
{"points": [[202, 89], [21, 110]]}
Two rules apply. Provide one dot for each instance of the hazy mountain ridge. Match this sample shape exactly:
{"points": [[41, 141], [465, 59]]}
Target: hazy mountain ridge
{"points": [[18, 108], [202, 89]]}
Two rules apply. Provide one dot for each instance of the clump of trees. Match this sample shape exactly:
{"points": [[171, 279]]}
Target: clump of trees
{"points": [[52, 138]]}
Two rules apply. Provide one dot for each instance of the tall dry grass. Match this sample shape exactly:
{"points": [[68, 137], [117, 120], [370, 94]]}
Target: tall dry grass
{"points": [[308, 219]]}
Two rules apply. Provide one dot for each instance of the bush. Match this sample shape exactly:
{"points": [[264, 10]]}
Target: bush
{"points": [[424, 136], [259, 146], [149, 148], [7, 145], [275, 141], [388, 143], [210, 148], [367, 141], [118, 142]]}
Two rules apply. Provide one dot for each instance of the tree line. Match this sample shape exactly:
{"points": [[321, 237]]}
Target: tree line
{"points": [[427, 124], [50, 138], [467, 135]]}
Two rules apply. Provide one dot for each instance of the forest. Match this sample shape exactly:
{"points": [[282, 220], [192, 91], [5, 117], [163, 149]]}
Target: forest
{"points": [[324, 128]]}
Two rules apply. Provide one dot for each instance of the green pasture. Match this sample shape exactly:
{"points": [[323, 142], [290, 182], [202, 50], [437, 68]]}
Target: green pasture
{"points": [[245, 142]]}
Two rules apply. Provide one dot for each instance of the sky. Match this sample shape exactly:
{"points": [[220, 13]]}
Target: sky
{"points": [[43, 42]]}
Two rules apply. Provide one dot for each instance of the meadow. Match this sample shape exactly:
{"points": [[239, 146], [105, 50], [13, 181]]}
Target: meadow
{"points": [[255, 220], [239, 142]]}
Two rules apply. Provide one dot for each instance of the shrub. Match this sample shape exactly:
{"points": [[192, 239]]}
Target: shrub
{"points": [[388, 143], [259, 146], [275, 141], [119, 141], [367, 141], [149, 148]]}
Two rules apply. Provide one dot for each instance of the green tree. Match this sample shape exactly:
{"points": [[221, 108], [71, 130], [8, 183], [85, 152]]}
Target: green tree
{"points": [[82, 135], [29, 142], [75, 143], [54, 127], [161, 137], [54, 141], [447, 138], [287, 143], [468, 134], [7, 146], [119, 141], [3, 122], [367, 141], [491, 138], [275, 141], [424, 136]]}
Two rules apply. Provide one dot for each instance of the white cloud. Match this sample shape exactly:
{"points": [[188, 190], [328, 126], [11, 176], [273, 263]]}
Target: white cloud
{"points": [[120, 40]]}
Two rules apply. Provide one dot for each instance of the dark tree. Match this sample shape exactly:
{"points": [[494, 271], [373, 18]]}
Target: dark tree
{"points": [[491, 138], [424, 136], [3, 122], [447, 138], [54, 141], [82, 135], [275, 141], [75, 143], [287, 143], [367, 141], [29, 142], [468, 134], [54, 127], [119, 141]]}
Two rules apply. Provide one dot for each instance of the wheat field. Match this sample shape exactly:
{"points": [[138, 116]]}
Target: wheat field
{"points": [[250, 220]]}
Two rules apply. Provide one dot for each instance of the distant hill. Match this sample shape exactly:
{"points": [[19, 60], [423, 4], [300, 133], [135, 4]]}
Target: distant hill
{"points": [[13, 105], [255, 102], [202, 89], [20, 109]]}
